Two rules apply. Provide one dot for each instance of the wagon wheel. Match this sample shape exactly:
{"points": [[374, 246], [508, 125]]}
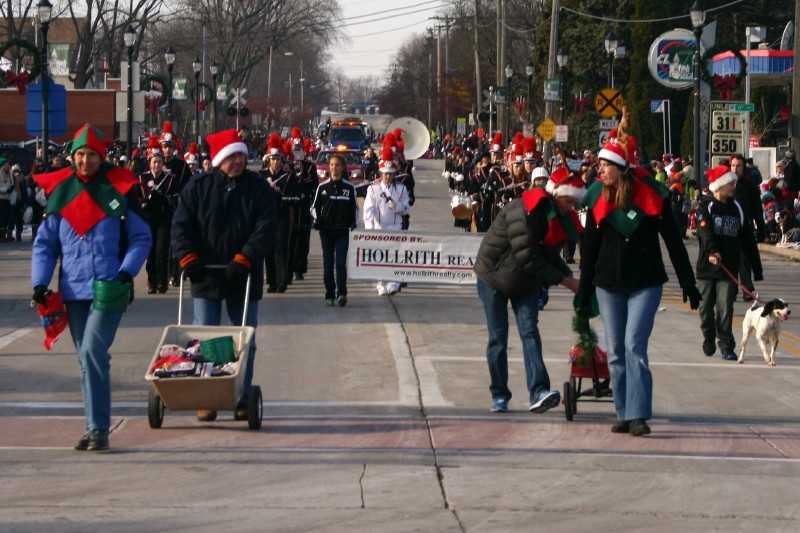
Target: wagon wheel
{"points": [[576, 391], [155, 409], [255, 408], [568, 401]]}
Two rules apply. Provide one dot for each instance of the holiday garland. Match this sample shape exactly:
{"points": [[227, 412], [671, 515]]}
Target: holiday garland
{"points": [[20, 80]]}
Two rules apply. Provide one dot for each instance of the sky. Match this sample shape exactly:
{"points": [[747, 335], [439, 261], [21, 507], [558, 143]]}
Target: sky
{"points": [[372, 54]]}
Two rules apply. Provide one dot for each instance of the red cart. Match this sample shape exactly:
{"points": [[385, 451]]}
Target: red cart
{"points": [[594, 368]]}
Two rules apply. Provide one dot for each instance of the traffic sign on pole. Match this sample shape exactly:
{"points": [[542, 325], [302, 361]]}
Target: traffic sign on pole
{"points": [[608, 102]]}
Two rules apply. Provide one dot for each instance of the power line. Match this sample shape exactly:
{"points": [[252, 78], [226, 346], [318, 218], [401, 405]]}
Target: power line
{"points": [[389, 10], [381, 19], [386, 31], [666, 19]]}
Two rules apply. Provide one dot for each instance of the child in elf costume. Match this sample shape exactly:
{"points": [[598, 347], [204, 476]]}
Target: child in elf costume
{"points": [[92, 228]]}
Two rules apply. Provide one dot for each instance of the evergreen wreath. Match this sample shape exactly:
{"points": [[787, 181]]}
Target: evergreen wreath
{"points": [[20, 80], [584, 349]]}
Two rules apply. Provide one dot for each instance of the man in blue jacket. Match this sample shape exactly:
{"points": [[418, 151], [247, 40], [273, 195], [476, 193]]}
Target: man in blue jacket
{"points": [[90, 225]]}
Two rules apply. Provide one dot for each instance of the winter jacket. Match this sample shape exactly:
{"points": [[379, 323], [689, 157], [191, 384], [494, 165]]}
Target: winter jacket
{"points": [[6, 184], [722, 228], [219, 217], [334, 207], [748, 195], [616, 262], [384, 206], [95, 256], [512, 258]]}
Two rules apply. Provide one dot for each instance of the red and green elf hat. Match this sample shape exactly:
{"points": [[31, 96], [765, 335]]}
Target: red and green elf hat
{"points": [[89, 137]]}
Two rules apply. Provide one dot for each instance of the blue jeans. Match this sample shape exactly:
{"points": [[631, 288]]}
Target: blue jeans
{"points": [[628, 318], [334, 252], [526, 311], [208, 312], [93, 333]]}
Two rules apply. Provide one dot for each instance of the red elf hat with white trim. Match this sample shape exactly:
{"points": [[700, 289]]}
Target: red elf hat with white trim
{"points": [[563, 183], [614, 153], [719, 176], [224, 144]]}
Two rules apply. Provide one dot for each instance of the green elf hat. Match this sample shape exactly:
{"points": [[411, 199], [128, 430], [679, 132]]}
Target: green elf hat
{"points": [[88, 137]]}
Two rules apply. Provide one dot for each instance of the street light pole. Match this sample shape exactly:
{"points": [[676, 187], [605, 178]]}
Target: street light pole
{"points": [[491, 109], [130, 40], [562, 58], [509, 74], [529, 72], [214, 71], [302, 81], [698, 17], [169, 59], [45, 11], [197, 66], [610, 43]]}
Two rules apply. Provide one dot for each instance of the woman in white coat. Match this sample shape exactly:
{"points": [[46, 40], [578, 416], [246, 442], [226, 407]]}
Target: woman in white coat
{"points": [[384, 207]]}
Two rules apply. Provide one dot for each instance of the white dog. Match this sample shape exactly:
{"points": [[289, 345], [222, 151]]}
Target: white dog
{"points": [[765, 320]]}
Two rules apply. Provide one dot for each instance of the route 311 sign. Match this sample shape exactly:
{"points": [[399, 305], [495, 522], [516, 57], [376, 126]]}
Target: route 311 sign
{"points": [[728, 127]]}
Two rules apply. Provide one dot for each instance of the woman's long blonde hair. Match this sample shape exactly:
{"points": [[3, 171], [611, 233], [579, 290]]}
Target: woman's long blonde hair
{"points": [[620, 194]]}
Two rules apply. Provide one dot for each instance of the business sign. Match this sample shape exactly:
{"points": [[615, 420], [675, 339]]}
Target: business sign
{"points": [[670, 59], [443, 258], [728, 128]]}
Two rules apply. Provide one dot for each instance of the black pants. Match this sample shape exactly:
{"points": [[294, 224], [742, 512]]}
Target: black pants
{"points": [[716, 311], [5, 219], [158, 259], [299, 246], [746, 273], [334, 251], [277, 259]]}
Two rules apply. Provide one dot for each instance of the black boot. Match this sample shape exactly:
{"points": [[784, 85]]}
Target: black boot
{"points": [[98, 441]]}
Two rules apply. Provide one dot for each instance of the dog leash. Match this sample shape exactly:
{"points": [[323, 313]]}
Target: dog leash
{"points": [[745, 290]]}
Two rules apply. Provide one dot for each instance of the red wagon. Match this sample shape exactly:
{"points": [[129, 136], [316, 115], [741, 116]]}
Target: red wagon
{"points": [[582, 367]]}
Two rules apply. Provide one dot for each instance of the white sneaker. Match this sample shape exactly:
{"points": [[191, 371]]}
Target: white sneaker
{"points": [[546, 402]]}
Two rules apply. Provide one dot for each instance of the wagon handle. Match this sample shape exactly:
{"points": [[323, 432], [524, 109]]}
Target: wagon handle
{"points": [[215, 267]]}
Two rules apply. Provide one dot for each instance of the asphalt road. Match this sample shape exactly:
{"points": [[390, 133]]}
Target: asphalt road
{"points": [[376, 419]]}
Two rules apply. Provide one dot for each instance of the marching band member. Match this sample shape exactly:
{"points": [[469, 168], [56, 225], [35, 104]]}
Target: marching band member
{"points": [[306, 184], [168, 142], [279, 179], [384, 206]]}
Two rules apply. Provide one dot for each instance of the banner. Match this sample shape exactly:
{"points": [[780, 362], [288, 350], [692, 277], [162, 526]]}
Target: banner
{"points": [[413, 257], [58, 59]]}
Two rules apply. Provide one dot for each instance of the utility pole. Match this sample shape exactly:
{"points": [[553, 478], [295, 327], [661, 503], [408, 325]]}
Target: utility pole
{"points": [[478, 85], [446, 74], [439, 69], [551, 67], [499, 73], [430, 78], [795, 122]]}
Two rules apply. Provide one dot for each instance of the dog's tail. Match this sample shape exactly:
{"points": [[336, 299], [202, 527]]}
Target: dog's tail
{"points": [[756, 303]]}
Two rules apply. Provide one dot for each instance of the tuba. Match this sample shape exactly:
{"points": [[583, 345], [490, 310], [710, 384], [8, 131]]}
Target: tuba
{"points": [[416, 137]]}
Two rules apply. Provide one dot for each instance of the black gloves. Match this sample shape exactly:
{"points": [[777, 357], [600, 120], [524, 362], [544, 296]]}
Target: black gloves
{"points": [[238, 269], [124, 277], [40, 293], [195, 271], [692, 295]]}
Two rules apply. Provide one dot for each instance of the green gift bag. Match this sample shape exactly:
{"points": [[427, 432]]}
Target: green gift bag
{"points": [[218, 350], [111, 296]]}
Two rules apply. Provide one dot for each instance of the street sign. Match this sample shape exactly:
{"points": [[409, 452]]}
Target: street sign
{"points": [[602, 139], [608, 103], [562, 133], [728, 127], [607, 123], [238, 97], [123, 69], [222, 92], [657, 106], [547, 129], [461, 125], [56, 110], [552, 90], [179, 89], [744, 107]]}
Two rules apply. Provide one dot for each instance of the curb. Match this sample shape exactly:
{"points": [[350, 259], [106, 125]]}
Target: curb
{"points": [[793, 255]]}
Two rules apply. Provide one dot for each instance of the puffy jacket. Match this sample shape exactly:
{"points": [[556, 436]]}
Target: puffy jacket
{"points": [[219, 217], [95, 256], [512, 258]]}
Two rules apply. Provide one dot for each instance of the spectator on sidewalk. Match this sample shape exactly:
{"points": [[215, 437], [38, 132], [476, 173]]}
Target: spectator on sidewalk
{"points": [[725, 236], [334, 212], [6, 191]]}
